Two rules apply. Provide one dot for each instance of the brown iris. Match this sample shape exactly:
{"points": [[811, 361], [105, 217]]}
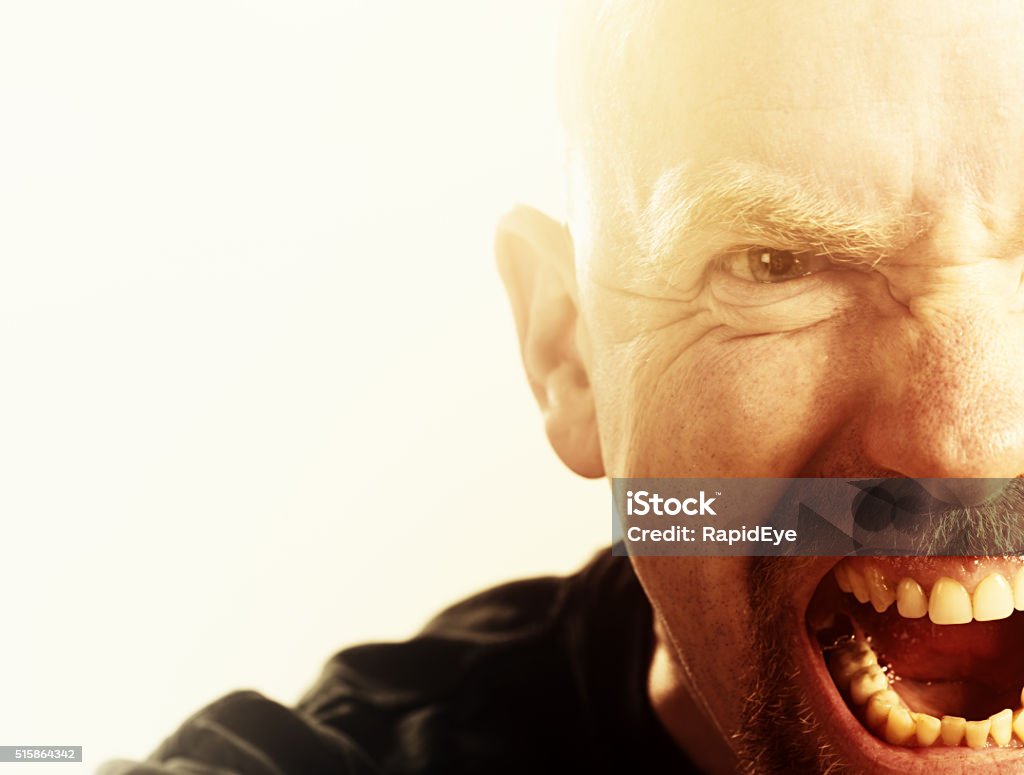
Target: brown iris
{"points": [[768, 265]]}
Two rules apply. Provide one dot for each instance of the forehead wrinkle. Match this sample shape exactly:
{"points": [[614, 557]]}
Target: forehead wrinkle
{"points": [[758, 205]]}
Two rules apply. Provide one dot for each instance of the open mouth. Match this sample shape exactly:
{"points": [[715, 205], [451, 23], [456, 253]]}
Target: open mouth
{"points": [[927, 652]]}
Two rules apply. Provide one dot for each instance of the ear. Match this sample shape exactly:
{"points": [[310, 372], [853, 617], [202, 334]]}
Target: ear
{"points": [[535, 259]]}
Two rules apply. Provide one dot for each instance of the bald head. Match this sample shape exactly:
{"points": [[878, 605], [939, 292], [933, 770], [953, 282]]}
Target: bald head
{"points": [[856, 98]]}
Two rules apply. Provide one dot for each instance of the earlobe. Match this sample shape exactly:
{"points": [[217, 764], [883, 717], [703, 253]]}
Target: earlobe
{"points": [[535, 259]]}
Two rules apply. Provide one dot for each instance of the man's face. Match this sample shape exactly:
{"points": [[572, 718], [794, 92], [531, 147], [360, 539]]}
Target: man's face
{"points": [[800, 244]]}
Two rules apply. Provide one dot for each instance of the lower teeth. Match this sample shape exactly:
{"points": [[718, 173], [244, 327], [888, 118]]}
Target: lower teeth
{"points": [[855, 669]]}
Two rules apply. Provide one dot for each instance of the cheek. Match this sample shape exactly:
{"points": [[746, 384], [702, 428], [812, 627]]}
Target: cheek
{"points": [[755, 406]]}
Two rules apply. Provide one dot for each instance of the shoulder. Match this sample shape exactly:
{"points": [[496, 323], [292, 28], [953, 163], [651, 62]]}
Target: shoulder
{"points": [[505, 678], [501, 678], [245, 733], [507, 625]]}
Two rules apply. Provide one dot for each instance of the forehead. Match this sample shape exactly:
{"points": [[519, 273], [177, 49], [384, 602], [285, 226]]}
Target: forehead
{"points": [[916, 103]]}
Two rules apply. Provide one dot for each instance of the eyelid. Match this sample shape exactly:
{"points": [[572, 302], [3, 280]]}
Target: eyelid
{"points": [[750, 307]]}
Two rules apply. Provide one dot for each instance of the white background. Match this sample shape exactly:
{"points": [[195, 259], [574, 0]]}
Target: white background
{"points": [[260, 396]]}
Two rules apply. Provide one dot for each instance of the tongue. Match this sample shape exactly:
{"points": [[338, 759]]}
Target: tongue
{"points": [[971, 670]]}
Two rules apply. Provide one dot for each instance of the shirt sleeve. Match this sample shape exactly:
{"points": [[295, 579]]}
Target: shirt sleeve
{"points": [[245, 733]]}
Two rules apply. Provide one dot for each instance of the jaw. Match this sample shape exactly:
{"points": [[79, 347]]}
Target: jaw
{"points": [[879, 682]]}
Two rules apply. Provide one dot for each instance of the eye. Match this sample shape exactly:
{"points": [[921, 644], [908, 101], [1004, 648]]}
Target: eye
{"points": [[770, 265]]}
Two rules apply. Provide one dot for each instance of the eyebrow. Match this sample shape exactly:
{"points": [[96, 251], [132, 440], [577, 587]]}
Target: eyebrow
{"points": [[754, 205]]}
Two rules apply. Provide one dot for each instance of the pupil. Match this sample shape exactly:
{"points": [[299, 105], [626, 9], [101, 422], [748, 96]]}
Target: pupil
{"points": [[780, 261]]}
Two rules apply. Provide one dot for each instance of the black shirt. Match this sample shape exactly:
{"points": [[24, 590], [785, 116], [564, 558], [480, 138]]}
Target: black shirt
{"points": [[536, 676]]}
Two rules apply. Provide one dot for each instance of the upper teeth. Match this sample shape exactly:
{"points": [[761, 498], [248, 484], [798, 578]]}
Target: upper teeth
{"points": [[948, 603]]}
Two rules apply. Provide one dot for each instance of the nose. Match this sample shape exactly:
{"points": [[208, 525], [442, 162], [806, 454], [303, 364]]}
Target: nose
{"points": [[948, 395]]}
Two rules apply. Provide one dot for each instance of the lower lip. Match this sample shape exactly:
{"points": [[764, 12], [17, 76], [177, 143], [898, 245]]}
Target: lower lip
{"points": [[862, 750]]}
